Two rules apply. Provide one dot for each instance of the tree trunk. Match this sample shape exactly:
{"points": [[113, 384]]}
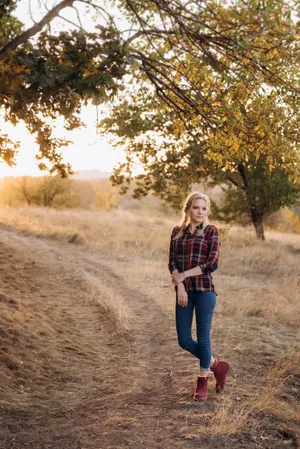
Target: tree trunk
{"points": [[257, 220], [257, 217], [26, 194]]}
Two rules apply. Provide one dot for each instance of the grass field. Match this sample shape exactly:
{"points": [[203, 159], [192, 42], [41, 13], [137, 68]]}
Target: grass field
{"points": [[86, 295]]}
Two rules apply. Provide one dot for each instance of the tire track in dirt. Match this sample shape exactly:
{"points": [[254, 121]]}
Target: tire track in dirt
{"points": [[125, 390], [147, 410], [136, 402], [154, 412]]}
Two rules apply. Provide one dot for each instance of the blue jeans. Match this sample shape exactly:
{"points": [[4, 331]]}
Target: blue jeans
{"points": [[204, 304]]}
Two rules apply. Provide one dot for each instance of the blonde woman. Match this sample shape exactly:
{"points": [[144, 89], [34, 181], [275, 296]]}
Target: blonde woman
{"points": [[194, 254]]}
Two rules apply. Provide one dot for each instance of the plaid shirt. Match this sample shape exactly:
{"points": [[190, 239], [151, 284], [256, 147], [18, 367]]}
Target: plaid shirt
{"points": [[190, 251]]}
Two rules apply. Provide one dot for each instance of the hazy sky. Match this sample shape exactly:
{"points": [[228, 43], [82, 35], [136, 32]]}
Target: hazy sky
{"points": [[89, 150]]}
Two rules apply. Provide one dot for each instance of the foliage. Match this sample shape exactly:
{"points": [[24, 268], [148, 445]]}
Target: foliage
{"points": [[54, 191], [284, 220], [106, 197], [247, 132], [239, 46]]}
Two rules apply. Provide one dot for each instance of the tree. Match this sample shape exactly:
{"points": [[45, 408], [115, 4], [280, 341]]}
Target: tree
{"points": [[55, 191], [47, 191], [254, 145], [178, 158], [27, 187], [266, 191], [46, 74]]}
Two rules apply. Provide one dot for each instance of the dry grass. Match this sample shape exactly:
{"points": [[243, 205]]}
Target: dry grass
{"points": [[109, 300], [116, 231], [261, 278], [229, 418], [256, 321]]}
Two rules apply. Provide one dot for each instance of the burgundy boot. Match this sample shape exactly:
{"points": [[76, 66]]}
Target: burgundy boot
{"points": [[201, 388], [220, 369]]}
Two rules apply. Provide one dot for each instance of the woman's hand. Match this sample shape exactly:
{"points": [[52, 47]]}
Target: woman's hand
{"points": [[177, 278], [182, 296]]}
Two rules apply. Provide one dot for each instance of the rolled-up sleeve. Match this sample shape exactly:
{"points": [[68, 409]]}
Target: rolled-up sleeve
{"points": [[172, 252], [213, 252]]}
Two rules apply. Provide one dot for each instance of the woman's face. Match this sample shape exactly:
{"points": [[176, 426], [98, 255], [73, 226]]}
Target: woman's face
{"points": [[198, 211]]}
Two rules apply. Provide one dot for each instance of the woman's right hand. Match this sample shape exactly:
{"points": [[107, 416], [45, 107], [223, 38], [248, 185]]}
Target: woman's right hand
{"points": [[182, 296]]}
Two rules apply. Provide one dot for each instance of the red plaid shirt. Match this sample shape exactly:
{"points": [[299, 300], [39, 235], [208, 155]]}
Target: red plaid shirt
{"points": [[190, 251]]}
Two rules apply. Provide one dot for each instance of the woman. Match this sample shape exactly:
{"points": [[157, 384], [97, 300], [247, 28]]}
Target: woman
{"points": [[194, 254]]}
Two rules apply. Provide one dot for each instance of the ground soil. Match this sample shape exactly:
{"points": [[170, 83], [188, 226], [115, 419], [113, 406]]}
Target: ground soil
{"points": [[97, 386]]}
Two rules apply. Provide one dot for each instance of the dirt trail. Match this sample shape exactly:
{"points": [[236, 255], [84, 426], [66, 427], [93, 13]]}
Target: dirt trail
{"points": [[115, 390], [131, 401]]}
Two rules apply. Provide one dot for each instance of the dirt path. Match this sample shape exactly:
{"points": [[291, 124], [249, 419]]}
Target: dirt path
{"points": [[113, 390]]}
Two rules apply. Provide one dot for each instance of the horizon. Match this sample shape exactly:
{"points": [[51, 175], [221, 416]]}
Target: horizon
{"points": [[76, 174]]}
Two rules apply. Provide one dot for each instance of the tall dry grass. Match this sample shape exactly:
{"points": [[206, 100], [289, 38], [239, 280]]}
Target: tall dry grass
{"points": [[229, 418], [109, 301], [261, 279], [258, 279], [115, 231], [258, 312]]}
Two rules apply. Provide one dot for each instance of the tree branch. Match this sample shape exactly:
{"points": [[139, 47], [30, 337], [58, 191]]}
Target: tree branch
{"points": [[242, 172], [233, 181], [69, 21], [22, 38]]}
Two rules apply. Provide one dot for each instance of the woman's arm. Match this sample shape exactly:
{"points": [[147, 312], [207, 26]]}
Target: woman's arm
{"points": [[180, 277], [212, 259], [172, 257], [213, 252]]}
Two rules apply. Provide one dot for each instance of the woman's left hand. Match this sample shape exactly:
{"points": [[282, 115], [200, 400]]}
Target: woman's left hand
{"points": [[178, 277]]}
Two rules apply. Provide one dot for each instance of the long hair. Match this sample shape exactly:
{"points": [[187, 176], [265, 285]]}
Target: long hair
{"points": [[185, 221]]}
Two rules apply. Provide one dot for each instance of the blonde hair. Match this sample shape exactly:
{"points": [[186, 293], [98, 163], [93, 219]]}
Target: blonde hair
{"points": [[189, 202]]}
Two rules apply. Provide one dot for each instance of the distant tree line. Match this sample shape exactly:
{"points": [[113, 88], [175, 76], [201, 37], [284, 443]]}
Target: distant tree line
{"points": [[57, 192], [99, 194]]}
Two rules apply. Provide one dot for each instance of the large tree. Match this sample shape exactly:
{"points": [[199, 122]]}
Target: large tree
{"points": [[257, 166], [246, 136], [46, 72]]}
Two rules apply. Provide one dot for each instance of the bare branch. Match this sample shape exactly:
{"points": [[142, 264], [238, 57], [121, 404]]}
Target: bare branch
{"points": [[69, 21], [78, 17], [148, 33], [30, 12]]}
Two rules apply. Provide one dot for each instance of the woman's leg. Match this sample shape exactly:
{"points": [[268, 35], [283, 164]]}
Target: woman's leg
{"points": [[184, 319], [204, 304]]}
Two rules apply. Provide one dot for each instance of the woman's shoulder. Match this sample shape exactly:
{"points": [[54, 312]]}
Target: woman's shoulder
{"points": [[211, 229], [175, 231]]}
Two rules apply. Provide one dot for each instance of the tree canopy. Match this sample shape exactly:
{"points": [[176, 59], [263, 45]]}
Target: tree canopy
{"points": [[244, 129], [201, 59]]}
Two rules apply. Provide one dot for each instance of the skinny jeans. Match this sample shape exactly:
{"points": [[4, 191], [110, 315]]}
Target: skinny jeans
{"points": [[203, 303]]}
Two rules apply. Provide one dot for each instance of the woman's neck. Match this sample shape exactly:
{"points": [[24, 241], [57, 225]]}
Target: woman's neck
{"points": [[193, 226]]}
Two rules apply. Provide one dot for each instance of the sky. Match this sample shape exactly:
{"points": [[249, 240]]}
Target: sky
{"points": [[89, 150]]}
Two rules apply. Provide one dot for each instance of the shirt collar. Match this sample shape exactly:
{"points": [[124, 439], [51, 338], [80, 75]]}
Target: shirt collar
{"points": [[186, 228]]}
